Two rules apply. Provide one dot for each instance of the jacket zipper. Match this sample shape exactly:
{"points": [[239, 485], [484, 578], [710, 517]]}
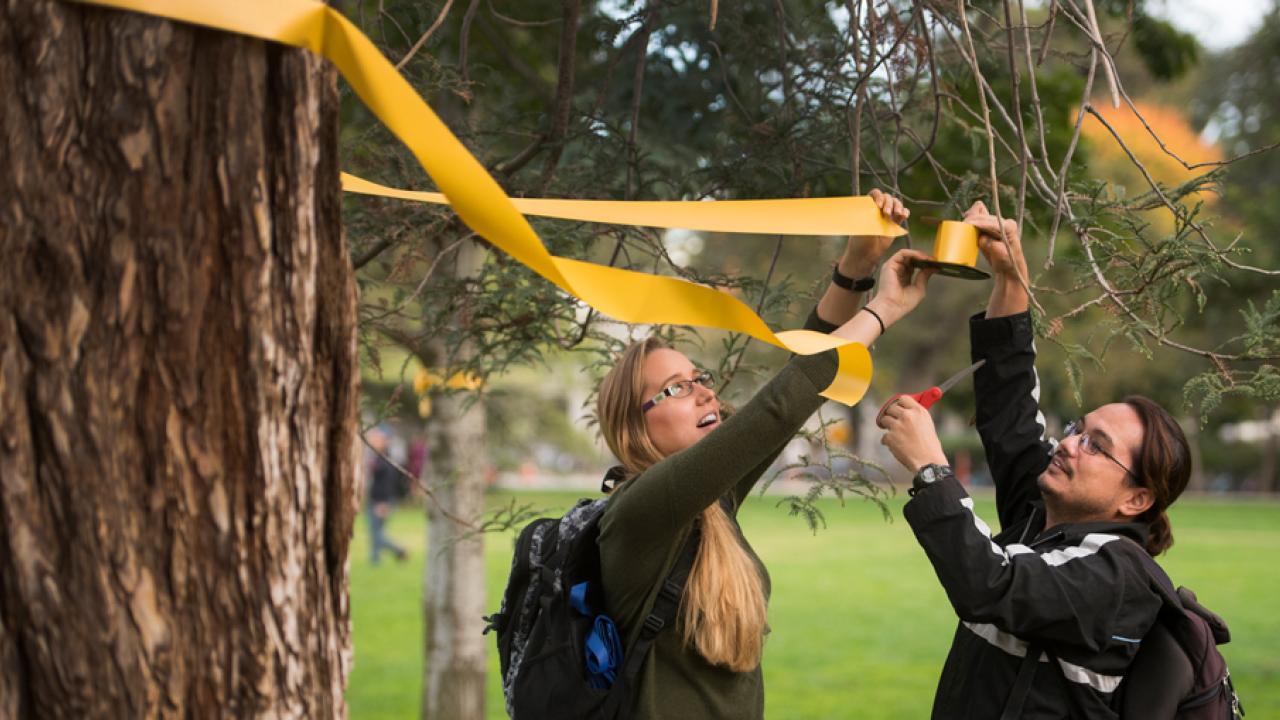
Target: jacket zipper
{"points": [[1030, 521], [1047, 538], [1027, 528]]}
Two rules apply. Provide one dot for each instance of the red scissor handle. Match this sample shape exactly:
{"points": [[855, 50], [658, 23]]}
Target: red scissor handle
{"points": [[926, 398]]}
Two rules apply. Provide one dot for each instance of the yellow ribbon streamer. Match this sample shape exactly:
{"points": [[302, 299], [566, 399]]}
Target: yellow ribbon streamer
{"points": [[798, 216], [626, 295]]}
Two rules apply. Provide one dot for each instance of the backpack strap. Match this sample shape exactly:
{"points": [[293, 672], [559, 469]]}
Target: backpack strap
{"points": [[667, 604], [660, 616], [1022, 684], [1159, 578]]}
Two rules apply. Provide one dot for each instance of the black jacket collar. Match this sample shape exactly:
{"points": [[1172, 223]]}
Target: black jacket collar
{"points": [[1071, 533]]}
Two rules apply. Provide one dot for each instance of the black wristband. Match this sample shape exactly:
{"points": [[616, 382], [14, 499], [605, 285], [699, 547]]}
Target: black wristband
{"points": [[848, 283], [875, 315]]}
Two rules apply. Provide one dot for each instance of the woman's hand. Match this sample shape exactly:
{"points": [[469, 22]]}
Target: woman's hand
{"points": [[911, 436], [901, 287], [863, 252], [838, 305]]}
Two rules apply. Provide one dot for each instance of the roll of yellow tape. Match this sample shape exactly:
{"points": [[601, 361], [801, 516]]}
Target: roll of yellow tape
{"points": [[956, 243], [955, 251]]}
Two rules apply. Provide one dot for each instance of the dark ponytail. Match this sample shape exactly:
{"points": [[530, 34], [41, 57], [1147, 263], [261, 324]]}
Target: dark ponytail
{"points": [[1159, 534], [1163, 467]]}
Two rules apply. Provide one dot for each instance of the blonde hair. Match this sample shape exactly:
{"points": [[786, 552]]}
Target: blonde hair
{"points": [[723, 604]]}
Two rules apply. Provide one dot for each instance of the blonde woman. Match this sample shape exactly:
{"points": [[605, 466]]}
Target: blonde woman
{"points": [[684, 464]]}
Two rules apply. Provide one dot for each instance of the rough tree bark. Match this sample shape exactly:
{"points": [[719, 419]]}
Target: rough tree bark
{"points": [[453, 590], [177, 373]]}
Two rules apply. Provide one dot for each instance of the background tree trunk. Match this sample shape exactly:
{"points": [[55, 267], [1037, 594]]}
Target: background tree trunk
{"points": [[1268, 475], [454, 581], [1199, 480], [177, 373]]}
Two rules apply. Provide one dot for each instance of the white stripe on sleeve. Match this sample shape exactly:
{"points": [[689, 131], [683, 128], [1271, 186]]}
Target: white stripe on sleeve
{"points": [[1017, 647]]}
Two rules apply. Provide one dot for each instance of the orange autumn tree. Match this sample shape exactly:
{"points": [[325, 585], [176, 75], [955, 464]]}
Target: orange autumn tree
{"points": [[1125, 153]]}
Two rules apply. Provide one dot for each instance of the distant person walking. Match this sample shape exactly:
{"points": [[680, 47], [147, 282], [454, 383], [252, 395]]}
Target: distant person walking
{"points": [[384, 490]]}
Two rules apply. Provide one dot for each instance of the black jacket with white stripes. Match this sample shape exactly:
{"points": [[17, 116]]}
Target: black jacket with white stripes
{"points": [[1078, 592]]}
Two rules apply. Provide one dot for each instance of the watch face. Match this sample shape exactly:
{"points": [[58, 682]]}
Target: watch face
{"points": [[931, 473]]}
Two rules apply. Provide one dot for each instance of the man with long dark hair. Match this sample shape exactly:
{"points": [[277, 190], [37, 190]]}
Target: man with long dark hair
{"points": [[1053, 608]]}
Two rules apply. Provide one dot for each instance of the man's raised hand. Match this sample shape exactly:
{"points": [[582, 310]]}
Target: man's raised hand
{"points": [[1004, 254], [911, 436], [1003, 251]]}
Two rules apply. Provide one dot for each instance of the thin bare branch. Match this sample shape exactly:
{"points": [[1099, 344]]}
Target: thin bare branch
{"points": [[560, 111], [972, 58], [444, 12], [1102, 48]]}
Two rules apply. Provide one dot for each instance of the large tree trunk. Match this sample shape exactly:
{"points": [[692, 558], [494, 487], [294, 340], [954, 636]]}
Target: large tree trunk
{"points": [[453, 590], [177, 373]]}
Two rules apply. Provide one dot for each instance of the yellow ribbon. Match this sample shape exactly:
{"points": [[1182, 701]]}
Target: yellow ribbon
{"points": [[626, 295], [425, 379], [799, 216]]}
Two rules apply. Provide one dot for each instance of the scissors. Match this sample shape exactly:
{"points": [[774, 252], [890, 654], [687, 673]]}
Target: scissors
{"points": [[928, 397]]}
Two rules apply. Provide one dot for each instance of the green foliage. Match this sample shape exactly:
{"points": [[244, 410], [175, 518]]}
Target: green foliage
{"points": [[1261, 338], [1168, 52], [830, 471], [1208, 390]]}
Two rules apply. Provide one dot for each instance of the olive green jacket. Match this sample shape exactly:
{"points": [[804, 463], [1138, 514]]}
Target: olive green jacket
{"points": [[650, 516]]}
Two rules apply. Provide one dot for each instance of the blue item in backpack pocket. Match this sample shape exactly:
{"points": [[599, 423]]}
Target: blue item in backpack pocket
{"points": [[603, 648], [578, 599], [604, 653]]}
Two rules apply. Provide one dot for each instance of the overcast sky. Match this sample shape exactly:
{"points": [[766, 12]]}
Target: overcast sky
{"points": [[1216, 23]]}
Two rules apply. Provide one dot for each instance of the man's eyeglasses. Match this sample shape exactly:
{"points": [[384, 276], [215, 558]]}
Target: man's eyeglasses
{"points": [[680, 388], [1090, 445]]}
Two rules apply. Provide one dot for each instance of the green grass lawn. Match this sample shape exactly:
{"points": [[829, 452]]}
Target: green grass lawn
{"points": [[860, 626]]}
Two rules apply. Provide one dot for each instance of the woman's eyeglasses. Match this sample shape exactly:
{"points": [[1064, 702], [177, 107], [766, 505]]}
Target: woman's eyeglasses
{"points": [[1089, 444], [680, 388]]}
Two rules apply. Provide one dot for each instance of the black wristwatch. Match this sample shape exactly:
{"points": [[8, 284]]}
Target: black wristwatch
{"points": [[928, 475], [848, 283]]}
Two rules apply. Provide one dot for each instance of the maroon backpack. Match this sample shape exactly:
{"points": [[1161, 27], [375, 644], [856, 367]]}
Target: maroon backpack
{"points": [[1178, 673]]}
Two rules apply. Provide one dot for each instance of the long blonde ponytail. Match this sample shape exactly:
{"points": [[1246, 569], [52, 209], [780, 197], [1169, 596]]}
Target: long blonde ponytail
{"points": [[723, 607]]}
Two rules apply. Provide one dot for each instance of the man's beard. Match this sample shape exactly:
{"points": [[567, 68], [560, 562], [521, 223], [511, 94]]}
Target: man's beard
{"points": [[1064, 508]]}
